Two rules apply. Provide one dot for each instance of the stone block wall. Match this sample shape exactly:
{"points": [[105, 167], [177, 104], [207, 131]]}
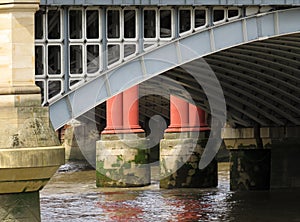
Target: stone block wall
{"points": [[122, 162], [179, 163]]}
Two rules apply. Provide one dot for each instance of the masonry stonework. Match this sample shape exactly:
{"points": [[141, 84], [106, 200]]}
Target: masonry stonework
{"points": [[30, 152], [122, 161], [180, 154]]}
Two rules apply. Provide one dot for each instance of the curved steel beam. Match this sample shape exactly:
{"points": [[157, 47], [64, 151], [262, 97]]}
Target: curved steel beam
{"points": [[179, 77], [244, 73], [171, 55], [253, 70], [290, 57], [257, 89], [262, 102], [236, 104], [267, 65]]}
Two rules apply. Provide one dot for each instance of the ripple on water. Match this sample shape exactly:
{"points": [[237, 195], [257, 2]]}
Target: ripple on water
{"points": [[72, 196]]}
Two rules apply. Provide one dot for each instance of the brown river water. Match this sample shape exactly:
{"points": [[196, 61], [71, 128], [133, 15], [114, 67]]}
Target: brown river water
{"points": [[71, 195]]}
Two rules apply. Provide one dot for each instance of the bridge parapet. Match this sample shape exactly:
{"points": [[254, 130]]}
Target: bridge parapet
{"points": [[171, 2]]}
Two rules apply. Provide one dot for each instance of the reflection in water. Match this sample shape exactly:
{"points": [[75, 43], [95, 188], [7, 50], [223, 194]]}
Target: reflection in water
{"points": [[72, 196]]}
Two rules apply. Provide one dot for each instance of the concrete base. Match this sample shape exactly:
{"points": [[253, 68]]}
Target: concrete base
{"points": [[180, 154], [250, 169], [122, 161], [20, 207]]}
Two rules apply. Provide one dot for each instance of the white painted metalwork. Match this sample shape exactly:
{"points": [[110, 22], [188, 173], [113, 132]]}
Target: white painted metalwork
{"points": [[49, 63], [219, 15], [200, 18], [184, 50], [78, 43], [171, 2]]}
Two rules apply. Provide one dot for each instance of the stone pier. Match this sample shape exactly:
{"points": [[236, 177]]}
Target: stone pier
{"points": [[122, 156], [122, 161], [180, 154], [182, 147], [285, 164], [250, 158], [79, 140], [263, 159], [30, 152]]}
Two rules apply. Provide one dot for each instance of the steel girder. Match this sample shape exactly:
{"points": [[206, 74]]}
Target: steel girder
{"points": [[244, 106], [170, 2]]}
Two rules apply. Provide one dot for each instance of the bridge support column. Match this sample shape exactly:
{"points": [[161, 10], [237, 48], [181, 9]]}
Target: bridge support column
{"points": [[182, 147], [250, 158], [252, 165], [79, 140], [122, 155], [30, 152], [285, 162]]}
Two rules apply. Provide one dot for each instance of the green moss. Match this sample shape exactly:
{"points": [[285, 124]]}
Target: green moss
{"points": [[127, 165], [164, 183], [121, 171], [100, 165], [141, 157], [188, 165], [119, 158], [116, 165], [102, 180]]}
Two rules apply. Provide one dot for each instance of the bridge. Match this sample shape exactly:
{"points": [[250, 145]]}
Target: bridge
{"points": [[191, 51], [80, 66], [209, 70]]}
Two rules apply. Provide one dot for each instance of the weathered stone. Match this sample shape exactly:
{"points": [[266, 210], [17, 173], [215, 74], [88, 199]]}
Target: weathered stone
{"points": [[30, 152], [249, 157], [181, 135], [26, 128], [20, 207], [28, 169], [122, 163], [72, 149], [79, 140], [277, 171], [179, 161], [242, 138], [285, 163], [250, 169]]}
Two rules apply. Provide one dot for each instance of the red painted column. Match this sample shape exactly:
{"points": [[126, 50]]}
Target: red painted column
{"points": [[122, 113], [114, 114], [197, 119], [131, 111], [179, 115]]}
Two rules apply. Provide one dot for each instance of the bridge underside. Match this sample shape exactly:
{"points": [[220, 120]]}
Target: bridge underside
{"points": [[257, 73], [260, 81]]}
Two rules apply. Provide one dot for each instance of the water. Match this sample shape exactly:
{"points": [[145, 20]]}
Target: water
{"points": [[72, 196]]}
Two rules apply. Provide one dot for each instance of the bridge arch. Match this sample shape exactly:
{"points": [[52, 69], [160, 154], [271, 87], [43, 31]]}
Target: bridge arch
{"points": [[212, 44]]}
